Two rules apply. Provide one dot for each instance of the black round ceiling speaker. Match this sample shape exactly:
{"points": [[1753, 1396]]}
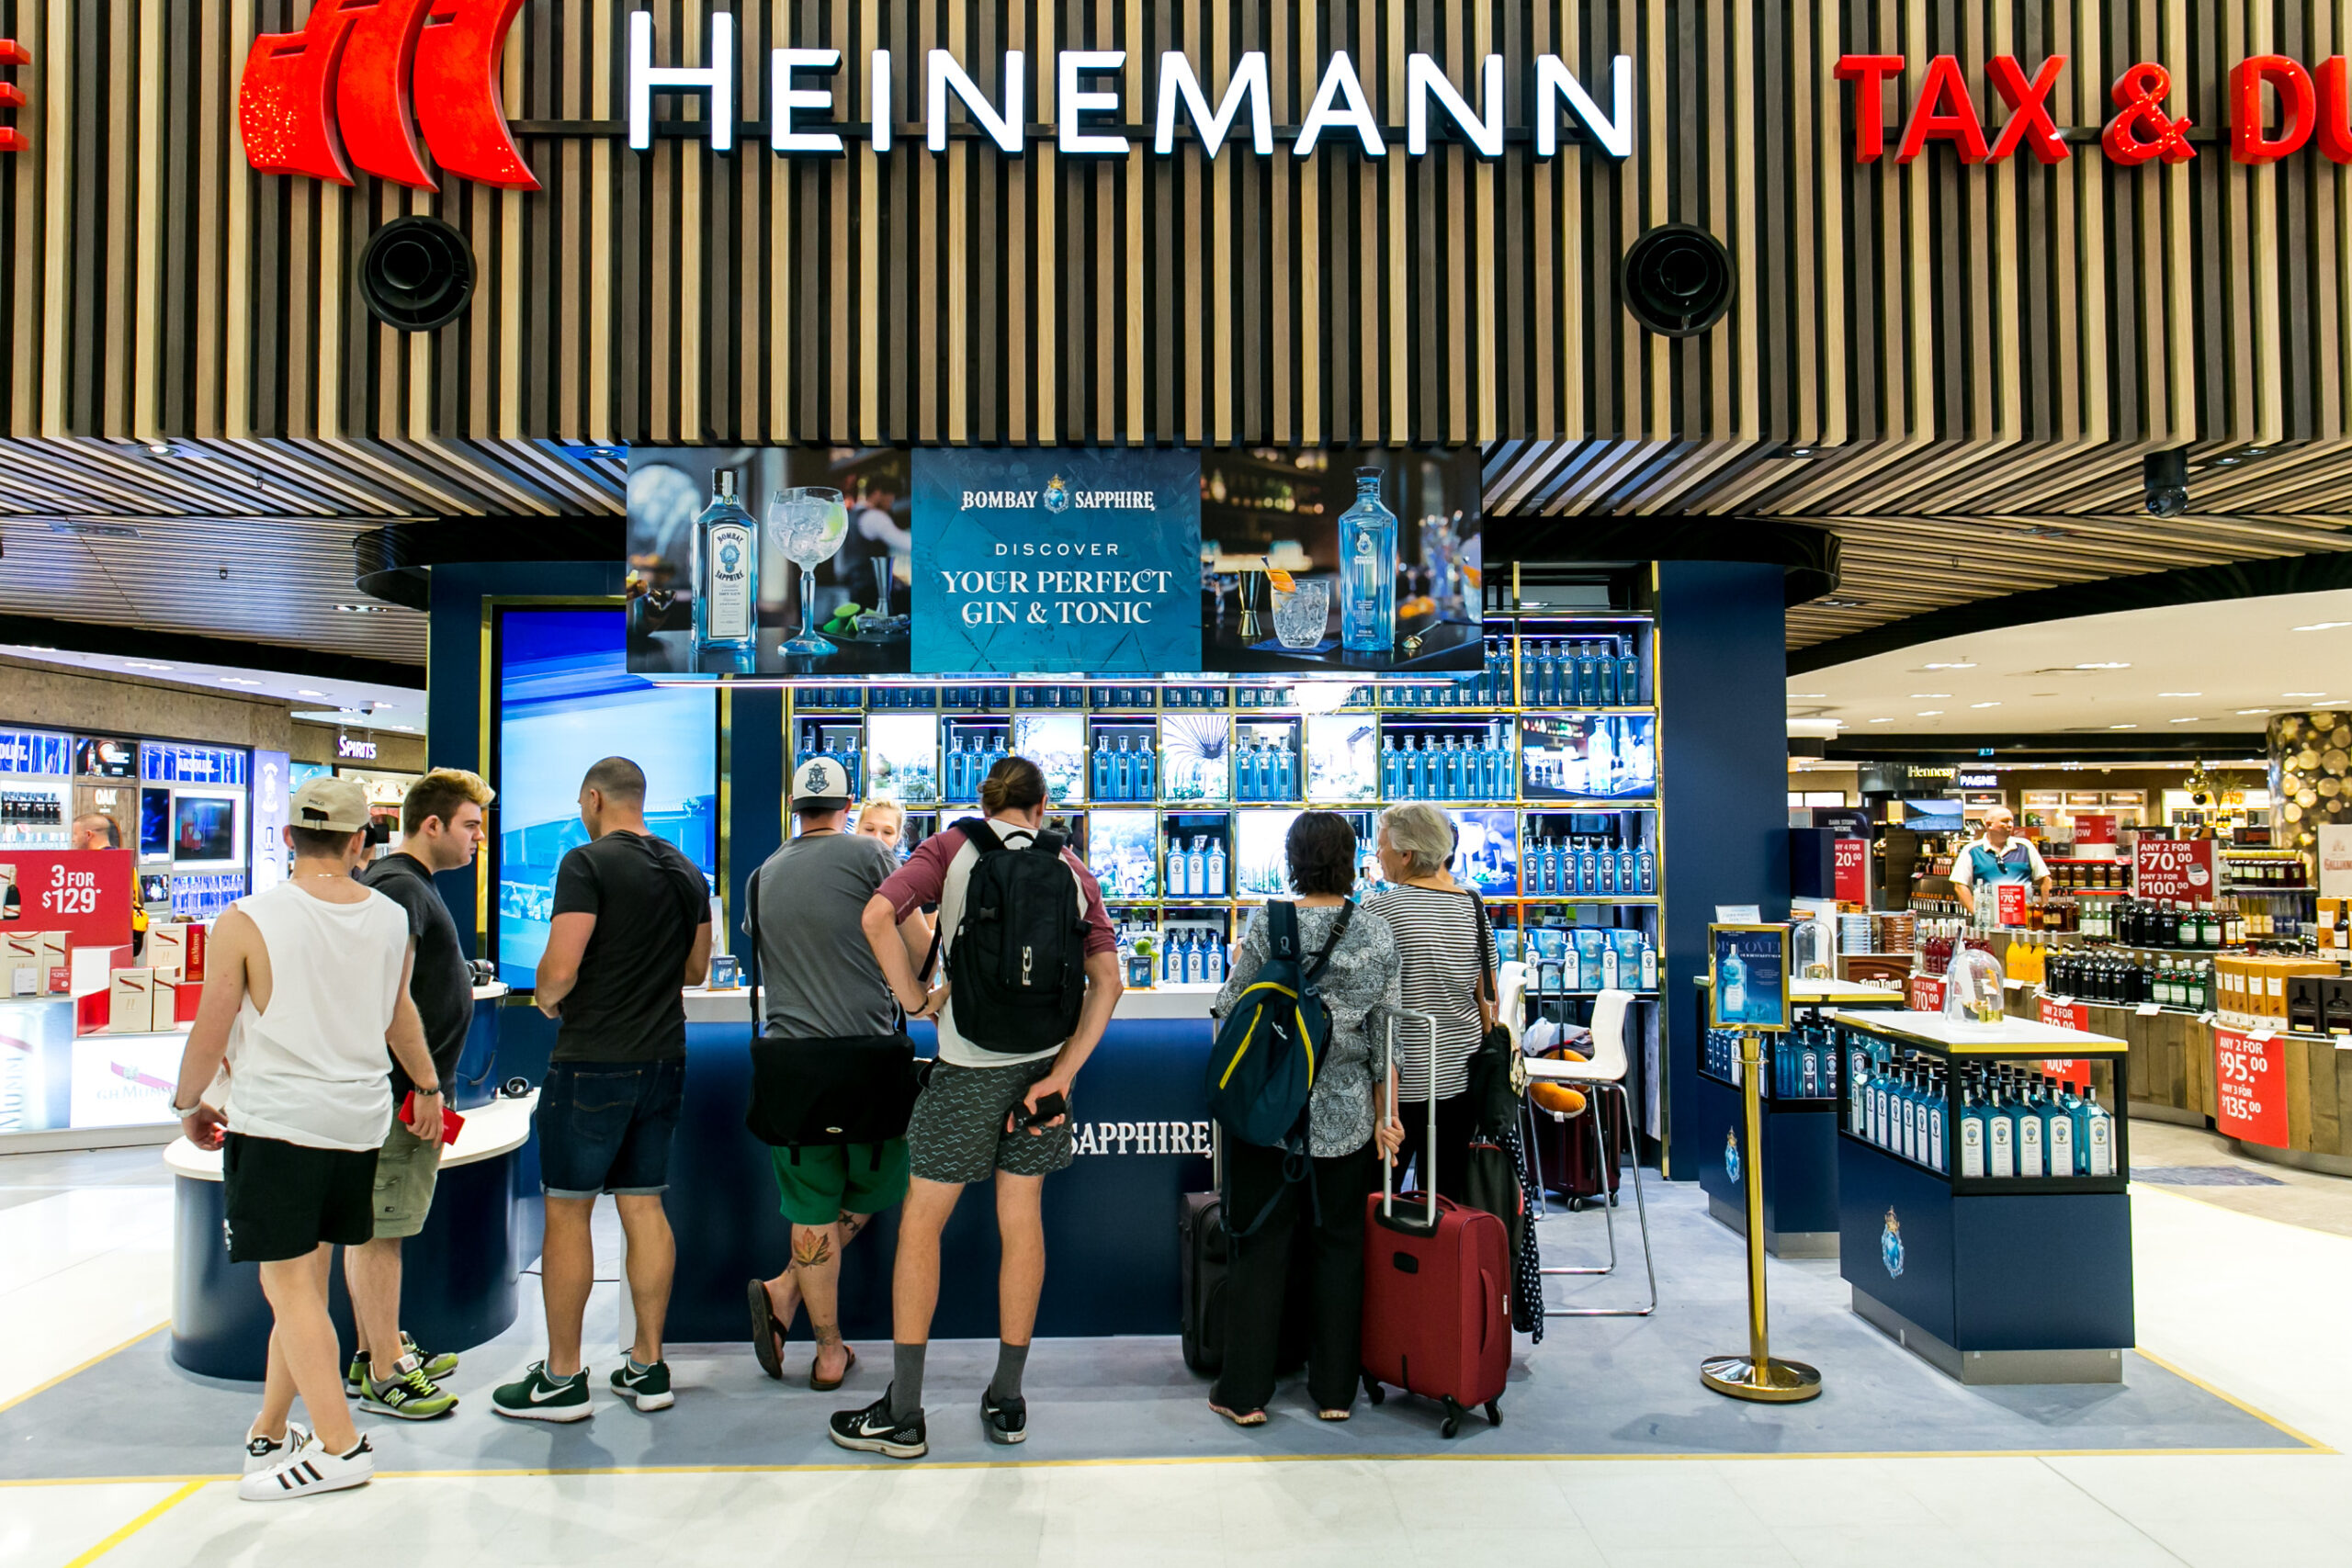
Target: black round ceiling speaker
{"points": [[416, 274], [1678, 280]]}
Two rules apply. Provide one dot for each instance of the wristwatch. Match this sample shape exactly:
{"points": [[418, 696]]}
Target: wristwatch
{"points": [[184, 1113]]}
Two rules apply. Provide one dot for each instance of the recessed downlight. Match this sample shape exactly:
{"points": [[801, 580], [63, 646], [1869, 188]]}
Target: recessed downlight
{"points": [[1955, 665], [1928, 696], [1984, 704], [2323, 626], [2108, 666]]}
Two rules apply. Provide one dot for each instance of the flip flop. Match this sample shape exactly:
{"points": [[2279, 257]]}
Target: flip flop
{"points": [[822, 1387], [1240, 1419], [763, 1335]]}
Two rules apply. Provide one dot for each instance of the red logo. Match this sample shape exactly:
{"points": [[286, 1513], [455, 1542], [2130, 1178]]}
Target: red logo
{"points": [[355, 69], [13, 97]]}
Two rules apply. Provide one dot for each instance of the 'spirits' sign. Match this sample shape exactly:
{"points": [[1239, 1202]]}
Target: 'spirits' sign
{"points": [[1088, 110], [2312, 107]]}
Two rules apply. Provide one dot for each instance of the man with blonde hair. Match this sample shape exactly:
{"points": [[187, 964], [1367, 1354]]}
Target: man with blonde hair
{"points": [[441, 829]]}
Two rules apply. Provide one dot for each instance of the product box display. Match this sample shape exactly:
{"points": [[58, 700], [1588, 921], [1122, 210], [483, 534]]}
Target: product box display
{"points": [[22, 973], [131, 1008]]}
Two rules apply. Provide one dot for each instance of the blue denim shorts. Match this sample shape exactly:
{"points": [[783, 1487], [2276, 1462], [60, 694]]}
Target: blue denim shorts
{"points": [[606, 1126]]}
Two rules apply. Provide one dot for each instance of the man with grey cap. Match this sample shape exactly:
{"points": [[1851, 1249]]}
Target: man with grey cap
{"points": [[822, 982], [306, 985]]}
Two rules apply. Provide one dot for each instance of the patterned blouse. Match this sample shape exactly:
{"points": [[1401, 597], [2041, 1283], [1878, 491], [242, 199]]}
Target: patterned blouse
{"points": [[1359, 980]]}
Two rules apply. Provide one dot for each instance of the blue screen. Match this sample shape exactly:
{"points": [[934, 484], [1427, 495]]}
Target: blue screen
{"points": [[566, 700]]}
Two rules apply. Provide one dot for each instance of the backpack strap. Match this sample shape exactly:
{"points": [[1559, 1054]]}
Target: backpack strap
{"points": [[1282, 930], [980, 834], [1339, 929]]}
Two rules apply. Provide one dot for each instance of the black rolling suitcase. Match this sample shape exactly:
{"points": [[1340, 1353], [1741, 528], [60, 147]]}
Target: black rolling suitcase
{"points": [[1576, 1164], [1204, 1252]]}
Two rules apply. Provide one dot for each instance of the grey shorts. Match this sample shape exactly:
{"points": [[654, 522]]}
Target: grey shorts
{"points": [[956, 1132]]}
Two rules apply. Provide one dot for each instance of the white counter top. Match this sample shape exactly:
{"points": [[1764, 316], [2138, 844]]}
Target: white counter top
{"points": [[491, 992], [492, 1130], [1960, 1039], [707, 1006]]}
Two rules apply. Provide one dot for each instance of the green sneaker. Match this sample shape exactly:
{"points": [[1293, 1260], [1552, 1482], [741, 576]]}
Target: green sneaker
{"points": [[648, 1390], [408, 1393], [539, 1397], [438, 1365]]}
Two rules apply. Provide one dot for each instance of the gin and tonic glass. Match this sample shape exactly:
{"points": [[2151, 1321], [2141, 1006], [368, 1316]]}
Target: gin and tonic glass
{"points": [[1302, 611], [809, 524]]}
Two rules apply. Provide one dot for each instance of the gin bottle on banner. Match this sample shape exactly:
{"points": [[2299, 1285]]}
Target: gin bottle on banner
{"points": [[1368, 572], [727, 572]]}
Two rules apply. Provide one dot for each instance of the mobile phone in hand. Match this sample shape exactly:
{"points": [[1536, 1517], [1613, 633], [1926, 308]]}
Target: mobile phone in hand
{"points": [[1052, 1106]]}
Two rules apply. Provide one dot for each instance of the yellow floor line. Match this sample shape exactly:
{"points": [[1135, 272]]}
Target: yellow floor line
{"points": [[76, 1371], [135, 1526], [2226, 1397]]}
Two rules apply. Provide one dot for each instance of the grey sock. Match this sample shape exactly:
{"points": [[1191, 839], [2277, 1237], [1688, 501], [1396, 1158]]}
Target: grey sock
{"points": [[1010, 1360], [906, 1380]]}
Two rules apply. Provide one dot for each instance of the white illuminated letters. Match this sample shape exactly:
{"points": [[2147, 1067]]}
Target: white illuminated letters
{"points": [[718, 79], [783, 98], [1424, 81], [879, 74], [1005, 129], [1338, 82], [1068, 137], [1613, 132], [1178, 87]]}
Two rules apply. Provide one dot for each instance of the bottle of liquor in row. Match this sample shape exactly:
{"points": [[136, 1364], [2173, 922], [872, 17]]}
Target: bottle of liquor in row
{"points": [[1587, 868], [1592, 673], [1265, 770], [2137, 922], [2015, 1122], [1191, 955], [1049, 696], [1476, 767], [968, 761], [30, 817], [1491, 687], [821, 742], [1197, 871], [1123, 774], [2107, 974], [1563, 960], [1803, 1062]]}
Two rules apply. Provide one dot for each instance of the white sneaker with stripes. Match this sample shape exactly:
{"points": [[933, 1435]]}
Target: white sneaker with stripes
{"points": [[308, 1471], [262, 1452]]}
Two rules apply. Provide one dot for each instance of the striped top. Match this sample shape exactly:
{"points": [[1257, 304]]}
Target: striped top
{"points": [[1443, 951]]}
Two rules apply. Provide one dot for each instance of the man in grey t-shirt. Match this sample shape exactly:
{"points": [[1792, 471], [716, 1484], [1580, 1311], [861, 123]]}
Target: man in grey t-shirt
{"points": [[822, 983]]}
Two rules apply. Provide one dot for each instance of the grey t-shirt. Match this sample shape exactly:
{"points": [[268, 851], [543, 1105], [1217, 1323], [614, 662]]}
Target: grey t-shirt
{"points": [[822, 980]]}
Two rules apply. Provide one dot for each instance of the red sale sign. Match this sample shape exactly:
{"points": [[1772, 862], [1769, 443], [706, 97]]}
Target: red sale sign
{"points": [[2249, 1088], [2065, 1015], [2009, 903], [1851, 868], [2175, 870], [2093, 829], [84, 893], [1927, 993]]}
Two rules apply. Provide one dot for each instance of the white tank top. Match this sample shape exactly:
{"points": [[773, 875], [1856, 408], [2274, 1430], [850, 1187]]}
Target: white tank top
{"points": [[315, 1069]]}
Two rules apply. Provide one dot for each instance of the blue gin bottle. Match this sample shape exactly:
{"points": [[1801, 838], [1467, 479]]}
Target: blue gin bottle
{"points": [[1368, 570], [1140, 782], [1103, 783], [727, 572]]}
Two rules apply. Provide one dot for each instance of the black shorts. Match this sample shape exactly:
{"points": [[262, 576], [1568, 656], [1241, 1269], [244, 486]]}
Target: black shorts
{"points": [[281, 1200]]}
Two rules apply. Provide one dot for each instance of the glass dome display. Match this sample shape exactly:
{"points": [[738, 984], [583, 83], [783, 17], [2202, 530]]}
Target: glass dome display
{"points": [[1973, 987], [1813, 955]]}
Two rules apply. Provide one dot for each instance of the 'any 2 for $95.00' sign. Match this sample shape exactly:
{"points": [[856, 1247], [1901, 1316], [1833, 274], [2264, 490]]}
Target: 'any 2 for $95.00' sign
{"points": [[2249, 1088]]}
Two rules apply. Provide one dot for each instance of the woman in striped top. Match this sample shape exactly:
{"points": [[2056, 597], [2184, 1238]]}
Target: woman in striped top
{"points": [[1447, 951]]}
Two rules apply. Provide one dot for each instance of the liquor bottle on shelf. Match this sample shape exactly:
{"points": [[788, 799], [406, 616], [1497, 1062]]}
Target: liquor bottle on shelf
{"points": [[1368, 570], [1606, 869], [1646, 866], [1105, 784], [1286, 772], [1391, 772], [1141, 782], [1589, 870], [1606, 663], [1629, 676], [1212, 865], [727, 572]]}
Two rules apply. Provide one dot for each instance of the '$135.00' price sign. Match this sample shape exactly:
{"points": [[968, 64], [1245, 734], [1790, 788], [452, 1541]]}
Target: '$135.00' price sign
{"points": [[2249, 1088]]}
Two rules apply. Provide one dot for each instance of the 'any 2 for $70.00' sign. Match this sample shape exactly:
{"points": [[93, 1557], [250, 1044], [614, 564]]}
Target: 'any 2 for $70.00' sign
{"points": [[2249, 1088], [2176, 870]]}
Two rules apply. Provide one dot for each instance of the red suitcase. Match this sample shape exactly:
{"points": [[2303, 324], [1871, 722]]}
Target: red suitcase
{"points": [[1436, 1294]]}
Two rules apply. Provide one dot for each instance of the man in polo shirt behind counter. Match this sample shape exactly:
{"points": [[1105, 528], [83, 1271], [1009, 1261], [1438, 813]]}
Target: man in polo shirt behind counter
{"points": [[1999, 856]]}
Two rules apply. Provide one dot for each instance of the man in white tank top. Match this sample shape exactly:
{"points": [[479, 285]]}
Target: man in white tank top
{"points": [[306, 985]]}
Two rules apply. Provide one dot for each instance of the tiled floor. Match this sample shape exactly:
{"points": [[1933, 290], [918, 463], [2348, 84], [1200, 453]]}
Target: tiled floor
{"points": [[2253, 1306]]}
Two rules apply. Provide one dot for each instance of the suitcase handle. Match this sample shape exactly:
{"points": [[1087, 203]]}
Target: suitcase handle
{"points": [[1428, 1146]]}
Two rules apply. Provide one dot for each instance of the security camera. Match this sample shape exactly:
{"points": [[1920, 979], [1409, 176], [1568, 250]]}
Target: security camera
{"points": [[2166, 476]]}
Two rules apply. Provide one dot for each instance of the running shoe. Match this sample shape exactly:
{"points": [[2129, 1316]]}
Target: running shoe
{"points": [[1005, 1420], [648, 1390], [874, 1431], [407, 1394], [308, 1472], [262, 1452], [539, 1398], [439, 1365]]}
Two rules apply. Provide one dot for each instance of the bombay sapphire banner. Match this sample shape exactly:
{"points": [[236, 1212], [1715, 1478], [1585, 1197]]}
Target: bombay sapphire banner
{"points": [[1079, 561]]}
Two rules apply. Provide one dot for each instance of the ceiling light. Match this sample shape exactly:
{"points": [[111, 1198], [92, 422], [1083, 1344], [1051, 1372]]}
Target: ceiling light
{"points": [[306, 693], [1928, 696], [142, 664], [2323, 626], [364, 609], [237, 680], [1948, 667], [2102, 666], [2123, 727], [1882, 721], [2315, 697], [1929, 713], [410, 728], [2184, 721], [2180, 693], [2244, 712], [160, 448], [1808, 696], [2225, 462], [1801, 451], [1984, 704], [1840, 603]]}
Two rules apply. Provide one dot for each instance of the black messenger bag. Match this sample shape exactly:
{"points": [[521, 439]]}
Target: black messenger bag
{"points": [[804, 1092]]}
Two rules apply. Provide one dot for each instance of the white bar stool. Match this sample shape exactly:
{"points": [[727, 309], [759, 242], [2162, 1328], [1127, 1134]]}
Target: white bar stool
{"points": [[1604, 1075]]}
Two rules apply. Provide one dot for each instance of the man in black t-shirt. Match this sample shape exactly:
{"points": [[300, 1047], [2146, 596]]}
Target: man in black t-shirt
{"points": [[441, 829], [630, 929]]}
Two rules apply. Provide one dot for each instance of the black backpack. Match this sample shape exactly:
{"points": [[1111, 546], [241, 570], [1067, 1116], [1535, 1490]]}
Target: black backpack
{"points": [[1017, 966]]}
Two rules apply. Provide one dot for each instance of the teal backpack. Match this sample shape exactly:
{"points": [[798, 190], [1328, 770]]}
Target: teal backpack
{"points": [[1261, 1071]]}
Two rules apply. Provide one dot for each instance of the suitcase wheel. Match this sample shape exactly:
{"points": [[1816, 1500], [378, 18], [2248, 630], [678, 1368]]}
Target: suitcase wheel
{"points": [[1373, 1391], [1576, 1205], [1494, 1413], [1453, 1414], [1612, 1200]]}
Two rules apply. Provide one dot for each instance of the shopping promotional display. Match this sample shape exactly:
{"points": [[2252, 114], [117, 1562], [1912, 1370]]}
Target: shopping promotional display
{"points": [[84, 893], [2174, 870], [2249, 1087]]}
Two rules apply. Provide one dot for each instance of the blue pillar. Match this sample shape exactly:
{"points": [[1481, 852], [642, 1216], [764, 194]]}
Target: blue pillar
{"points": [[1722, 771], [751, 758]]}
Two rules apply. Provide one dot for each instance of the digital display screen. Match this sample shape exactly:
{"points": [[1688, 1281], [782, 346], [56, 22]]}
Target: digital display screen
{"points": [[204, 828], [154, 822], [1485, 851], [566, 700]]}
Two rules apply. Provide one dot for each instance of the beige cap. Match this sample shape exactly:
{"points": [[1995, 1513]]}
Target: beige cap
{"points": [[330, 805]]}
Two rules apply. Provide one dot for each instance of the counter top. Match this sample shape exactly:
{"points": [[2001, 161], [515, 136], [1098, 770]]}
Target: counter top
{"points": [[734, 1006], [491, 992], [500, 1127], [2007, 1036]]}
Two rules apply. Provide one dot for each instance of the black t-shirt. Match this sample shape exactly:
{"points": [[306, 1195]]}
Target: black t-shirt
{"points": [[440, 985], [647, 898]]}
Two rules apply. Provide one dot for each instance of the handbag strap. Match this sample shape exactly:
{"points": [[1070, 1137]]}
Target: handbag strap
{"points": [[1488, 955], [752, 968]]}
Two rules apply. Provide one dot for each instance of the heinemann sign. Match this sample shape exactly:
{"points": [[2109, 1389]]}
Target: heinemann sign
{"points": [[1090, 114]]}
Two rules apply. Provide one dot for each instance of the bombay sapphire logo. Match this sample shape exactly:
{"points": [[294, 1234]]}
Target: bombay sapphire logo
{"points": [[731, 557], [1731, 1155], [1056, 496], [1890, 1247]]}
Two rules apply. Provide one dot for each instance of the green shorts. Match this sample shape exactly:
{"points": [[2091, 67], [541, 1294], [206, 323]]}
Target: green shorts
{"points": [[819, 1183], [406, 1168]]}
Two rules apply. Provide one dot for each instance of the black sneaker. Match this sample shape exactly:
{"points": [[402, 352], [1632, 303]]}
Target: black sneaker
{"points": [[874, 1431], [1005, 1420]]}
